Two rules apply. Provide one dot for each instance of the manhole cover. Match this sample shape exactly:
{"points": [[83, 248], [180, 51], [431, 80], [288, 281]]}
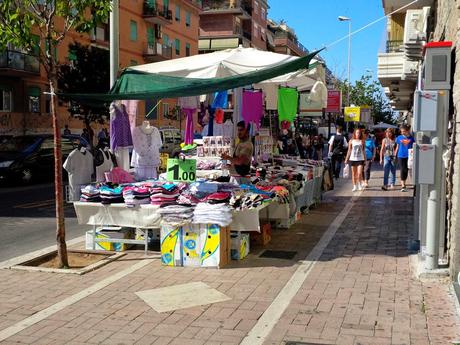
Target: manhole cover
{"points": [[278, 254]]}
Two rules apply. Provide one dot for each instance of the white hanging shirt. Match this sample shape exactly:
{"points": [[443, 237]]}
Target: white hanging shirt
{"points": [[79, 166], [146, 148], [228, 129]]}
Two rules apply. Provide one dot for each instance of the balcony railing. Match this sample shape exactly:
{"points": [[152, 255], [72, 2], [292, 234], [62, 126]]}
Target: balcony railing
{"points": [[222, 5], [155, 10], [395, 46], [19, 61], [157, 51], [292, 38]]}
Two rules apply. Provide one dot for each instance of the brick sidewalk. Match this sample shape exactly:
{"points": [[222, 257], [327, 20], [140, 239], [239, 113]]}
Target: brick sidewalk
{"points": [[361, 291]]}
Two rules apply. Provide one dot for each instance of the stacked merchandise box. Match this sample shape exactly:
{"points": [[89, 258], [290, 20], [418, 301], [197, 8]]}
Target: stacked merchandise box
{"points": [[263, 237], [215, 146], [199, 245], [110, 233], [240, 245]]}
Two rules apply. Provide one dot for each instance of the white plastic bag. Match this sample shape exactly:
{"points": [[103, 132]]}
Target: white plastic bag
{"points": [[346, 171]]}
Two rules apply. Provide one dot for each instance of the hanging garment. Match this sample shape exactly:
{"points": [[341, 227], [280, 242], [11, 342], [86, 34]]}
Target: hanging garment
{"points": [[189, 102], [218, 130], [220, 100], [201, 114], [104, 163], [120, 130], [146, 153], [79, 166], [211, 123], [219, 116], [122, 156], [228, 129], [188, 138], [237, 104], [271, 96], [253, 108], [131, 106], [287, 104]]}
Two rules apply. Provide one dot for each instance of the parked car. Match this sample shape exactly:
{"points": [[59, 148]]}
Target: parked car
{"points": [[29, 158], [171, 138]]}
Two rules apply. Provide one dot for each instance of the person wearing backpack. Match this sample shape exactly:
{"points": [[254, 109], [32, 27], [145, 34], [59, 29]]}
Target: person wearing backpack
{"points": [[337, 147]]}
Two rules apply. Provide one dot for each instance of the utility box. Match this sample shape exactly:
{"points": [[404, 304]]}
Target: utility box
{"points": [[424, 169], [437, 66], [426, 111]]}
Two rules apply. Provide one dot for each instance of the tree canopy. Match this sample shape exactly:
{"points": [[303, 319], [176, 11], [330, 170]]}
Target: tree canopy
{"points": [[366, 91]]}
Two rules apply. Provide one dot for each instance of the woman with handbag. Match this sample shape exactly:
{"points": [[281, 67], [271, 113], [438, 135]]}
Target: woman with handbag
{"points": [[388, 158], [356, 157]]}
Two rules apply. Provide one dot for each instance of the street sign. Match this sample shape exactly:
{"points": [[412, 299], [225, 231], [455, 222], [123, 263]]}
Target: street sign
{"points": [[334, 101], [179, 170], [352, 114]]}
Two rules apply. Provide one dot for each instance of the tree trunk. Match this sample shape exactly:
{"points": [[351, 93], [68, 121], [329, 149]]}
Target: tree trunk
{"points": [[58, 186]]}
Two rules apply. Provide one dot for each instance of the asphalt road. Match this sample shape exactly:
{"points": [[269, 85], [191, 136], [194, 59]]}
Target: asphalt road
{"points": [[27, 220]]}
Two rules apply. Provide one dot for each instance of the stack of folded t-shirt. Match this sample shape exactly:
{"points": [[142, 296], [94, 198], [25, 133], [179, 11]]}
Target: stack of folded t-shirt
{"points": [[111, 194], [136, 195], [164, 194], [206, 213], [90, 193], [176, 215]]}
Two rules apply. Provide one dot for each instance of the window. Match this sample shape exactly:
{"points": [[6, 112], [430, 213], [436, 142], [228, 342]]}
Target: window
{"points": [[177, 46], [263, 13], [187, 49], [188, 19], [165, 109], [177, 13], [166, 40], [256, 7], [150, 37], [6, 99], [33, 95], [133, 31], [256, 30]]}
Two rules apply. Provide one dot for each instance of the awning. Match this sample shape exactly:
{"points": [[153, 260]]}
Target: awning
{"points": [[224, 43], [199, 74]]}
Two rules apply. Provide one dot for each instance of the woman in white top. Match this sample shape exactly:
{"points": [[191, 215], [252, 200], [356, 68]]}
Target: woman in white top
{"points": [[356, 157]]}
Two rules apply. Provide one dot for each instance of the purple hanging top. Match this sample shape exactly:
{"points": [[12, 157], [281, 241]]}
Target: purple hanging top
{"points": [[120, 131]]}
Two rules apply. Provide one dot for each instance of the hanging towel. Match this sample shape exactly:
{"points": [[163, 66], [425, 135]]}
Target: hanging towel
{"points": [[220, 100], [253, 109], [287, 104], [219, 116], [188, 125]]}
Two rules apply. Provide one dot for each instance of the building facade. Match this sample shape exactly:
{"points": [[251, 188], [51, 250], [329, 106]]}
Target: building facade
{"points": [[283, 40], [149, 32], [228, 24]]}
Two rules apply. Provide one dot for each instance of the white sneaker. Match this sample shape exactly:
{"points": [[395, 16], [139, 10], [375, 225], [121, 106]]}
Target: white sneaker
{"points": [[392, 186], [360, 186], [354, 188]]}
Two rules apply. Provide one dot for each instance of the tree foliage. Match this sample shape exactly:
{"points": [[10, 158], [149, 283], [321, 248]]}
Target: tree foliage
{"points": [[20, 22], [88, 72], [366, 91]]}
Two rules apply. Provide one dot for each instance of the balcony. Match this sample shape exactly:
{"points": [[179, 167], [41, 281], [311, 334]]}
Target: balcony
{"points": [[20, 62], [156, 14], [240, 8], [285, 38], [155, 52], [390, 66], [395, 46]]}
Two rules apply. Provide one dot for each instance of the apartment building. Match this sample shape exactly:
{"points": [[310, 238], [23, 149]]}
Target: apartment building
{"points": [[228, 24], [150, 31], [283, 40]]}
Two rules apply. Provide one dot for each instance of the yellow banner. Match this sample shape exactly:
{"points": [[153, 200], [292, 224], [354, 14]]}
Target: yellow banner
{"points": [[352, 114]]}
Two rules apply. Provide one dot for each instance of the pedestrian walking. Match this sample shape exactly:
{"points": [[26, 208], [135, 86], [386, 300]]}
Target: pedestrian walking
{"points": [[356, 157], [404, 143], [319, 147], [67, 130], [371, 150], [337, 148], [388, 158]]}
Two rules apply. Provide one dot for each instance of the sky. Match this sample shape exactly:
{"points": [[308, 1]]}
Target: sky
{"points": [[316, 25]]}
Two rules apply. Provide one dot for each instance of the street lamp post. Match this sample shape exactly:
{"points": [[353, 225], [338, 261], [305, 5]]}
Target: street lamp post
{"points": [[347, 19]]}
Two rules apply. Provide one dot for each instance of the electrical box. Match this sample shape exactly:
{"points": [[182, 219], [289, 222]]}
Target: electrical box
{"points": [[426, 111], [437, 66], [424, 162]]}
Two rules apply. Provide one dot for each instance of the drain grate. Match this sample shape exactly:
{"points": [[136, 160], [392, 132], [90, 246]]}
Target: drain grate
{"points": [[278, 254]]}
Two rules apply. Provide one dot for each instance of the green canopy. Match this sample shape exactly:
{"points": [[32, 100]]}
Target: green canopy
{"points": [[141, 83]]}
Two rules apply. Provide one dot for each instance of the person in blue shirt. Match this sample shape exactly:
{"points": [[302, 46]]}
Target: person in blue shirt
{"points": [[404, 143], [370, 154]]}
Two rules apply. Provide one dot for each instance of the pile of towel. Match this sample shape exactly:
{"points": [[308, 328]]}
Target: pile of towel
{"points": [[206, 213]]}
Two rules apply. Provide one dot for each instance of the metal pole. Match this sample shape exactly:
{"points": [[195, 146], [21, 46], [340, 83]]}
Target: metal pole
{"points": [[349, 62], [114, 42], [434, 191]]}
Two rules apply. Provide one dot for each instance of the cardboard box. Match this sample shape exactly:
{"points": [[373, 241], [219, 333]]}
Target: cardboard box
{"points": [[263, 237], [215, 242], [191, 246], [240, 245], [171, 246], [112, 233]]}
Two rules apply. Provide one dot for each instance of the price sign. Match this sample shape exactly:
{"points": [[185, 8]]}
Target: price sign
{"points": [[181, 170]]}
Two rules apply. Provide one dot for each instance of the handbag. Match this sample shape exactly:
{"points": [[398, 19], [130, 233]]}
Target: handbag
{"points": [[346, 171]]}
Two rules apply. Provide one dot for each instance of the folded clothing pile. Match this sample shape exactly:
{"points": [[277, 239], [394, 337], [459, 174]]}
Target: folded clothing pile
{"points": [[90, 193], [176, 215], [218, 198], [247, 200], [136, 196], [206, 213], [164, 194], [111, 194]]}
